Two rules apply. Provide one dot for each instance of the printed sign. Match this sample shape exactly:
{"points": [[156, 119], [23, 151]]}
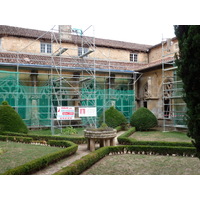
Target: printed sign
{"points": [[88, 112], [65, 113]]}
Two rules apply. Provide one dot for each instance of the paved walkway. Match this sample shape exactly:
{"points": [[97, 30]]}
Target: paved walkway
{"points": [[82, 151]]}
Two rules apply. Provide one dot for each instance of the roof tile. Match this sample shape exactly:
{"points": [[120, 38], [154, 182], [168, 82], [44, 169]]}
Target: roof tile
{"points": [[32, 33]]}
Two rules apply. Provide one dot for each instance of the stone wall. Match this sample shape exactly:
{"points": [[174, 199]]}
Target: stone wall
{"points": [[151, 95], [18, 44]]}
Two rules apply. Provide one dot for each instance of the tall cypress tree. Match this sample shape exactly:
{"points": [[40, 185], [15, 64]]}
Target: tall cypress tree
{"points": [[188, 62]]}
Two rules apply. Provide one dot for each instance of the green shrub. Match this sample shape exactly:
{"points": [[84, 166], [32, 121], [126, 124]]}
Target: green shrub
{"points": [[113, 118], [10, 120], [103, 127], [5, 103], [143, 119], [69, 131]]}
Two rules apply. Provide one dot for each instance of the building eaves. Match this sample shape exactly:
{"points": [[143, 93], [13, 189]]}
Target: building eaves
{"points": [[155, 64], [35, 60]]}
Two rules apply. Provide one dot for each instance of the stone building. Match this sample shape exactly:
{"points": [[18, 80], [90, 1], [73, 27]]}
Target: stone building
{"points": [[41, 71]]}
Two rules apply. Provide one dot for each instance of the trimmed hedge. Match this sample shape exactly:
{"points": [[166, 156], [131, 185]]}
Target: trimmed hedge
{"points": [[113, 118], [10, 120], [118, 128], [16, 139], [60, 143], [123, 139], [158, 150], [40, 163], [143, 119], [132, 141], [128, 133], [76, 140], [87, 161], [84, 163]]}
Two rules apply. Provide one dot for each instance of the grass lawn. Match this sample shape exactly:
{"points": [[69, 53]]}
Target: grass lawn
{"points": [[129, 164], [15, 154], [161, 136], [57, 132]]}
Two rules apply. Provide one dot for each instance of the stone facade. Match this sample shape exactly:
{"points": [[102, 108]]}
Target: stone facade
{"points": [[107, 53], [27, 45]]}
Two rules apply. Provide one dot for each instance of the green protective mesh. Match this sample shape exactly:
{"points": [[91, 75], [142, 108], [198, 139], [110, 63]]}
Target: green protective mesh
{"points": [[123, 100], [179, 109], [32, 103]]}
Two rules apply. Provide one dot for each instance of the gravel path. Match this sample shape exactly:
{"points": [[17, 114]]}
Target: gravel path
{"points": [[82, 151]]}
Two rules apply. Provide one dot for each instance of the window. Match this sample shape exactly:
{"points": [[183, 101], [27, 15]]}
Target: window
{"points": [[82, 50], [133, 57], [45, 48]]}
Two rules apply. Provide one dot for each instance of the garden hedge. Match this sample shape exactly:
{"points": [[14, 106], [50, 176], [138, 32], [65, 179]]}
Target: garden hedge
{"points": [[84, 163], [40, 163], [87, 161], [132, 146], [16, 139], [76, 140], [123, 139]]}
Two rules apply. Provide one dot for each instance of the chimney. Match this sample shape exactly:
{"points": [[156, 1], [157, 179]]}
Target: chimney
{"points": [[65, 32]]}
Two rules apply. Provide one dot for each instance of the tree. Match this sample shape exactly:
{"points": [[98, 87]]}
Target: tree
{"points": [[188, 62]]}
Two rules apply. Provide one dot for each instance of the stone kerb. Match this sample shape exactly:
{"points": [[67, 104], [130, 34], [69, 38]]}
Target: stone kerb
{"points": [[105, 138]]}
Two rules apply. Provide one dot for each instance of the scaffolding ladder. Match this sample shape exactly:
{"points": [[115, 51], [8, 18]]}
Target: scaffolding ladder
{"points": [[174, 108]]}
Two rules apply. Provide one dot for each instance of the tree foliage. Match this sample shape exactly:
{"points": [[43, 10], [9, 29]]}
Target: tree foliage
{"points": [[188, 62]]}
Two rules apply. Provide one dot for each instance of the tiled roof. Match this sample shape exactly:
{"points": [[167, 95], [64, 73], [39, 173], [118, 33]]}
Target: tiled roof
{"points": [[46, 62], [35, 34], [155, 64]]}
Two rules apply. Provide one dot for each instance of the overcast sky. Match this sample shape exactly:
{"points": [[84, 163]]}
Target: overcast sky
{"points": [[144, 21]]}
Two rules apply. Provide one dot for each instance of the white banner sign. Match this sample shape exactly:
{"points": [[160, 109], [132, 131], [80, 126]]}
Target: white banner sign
{"points": [[88, 112], [65, 113]]}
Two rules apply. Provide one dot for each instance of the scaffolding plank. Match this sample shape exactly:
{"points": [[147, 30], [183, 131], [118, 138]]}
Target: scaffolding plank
{"points": [[170, 69]]}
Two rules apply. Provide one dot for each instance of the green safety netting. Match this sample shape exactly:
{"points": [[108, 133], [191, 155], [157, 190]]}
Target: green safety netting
{"points": [[179, 108], [32, 103], [123, 100]]}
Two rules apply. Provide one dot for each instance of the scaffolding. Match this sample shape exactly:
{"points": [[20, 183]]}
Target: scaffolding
{"points": [[36, 91], [174, 108]]}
